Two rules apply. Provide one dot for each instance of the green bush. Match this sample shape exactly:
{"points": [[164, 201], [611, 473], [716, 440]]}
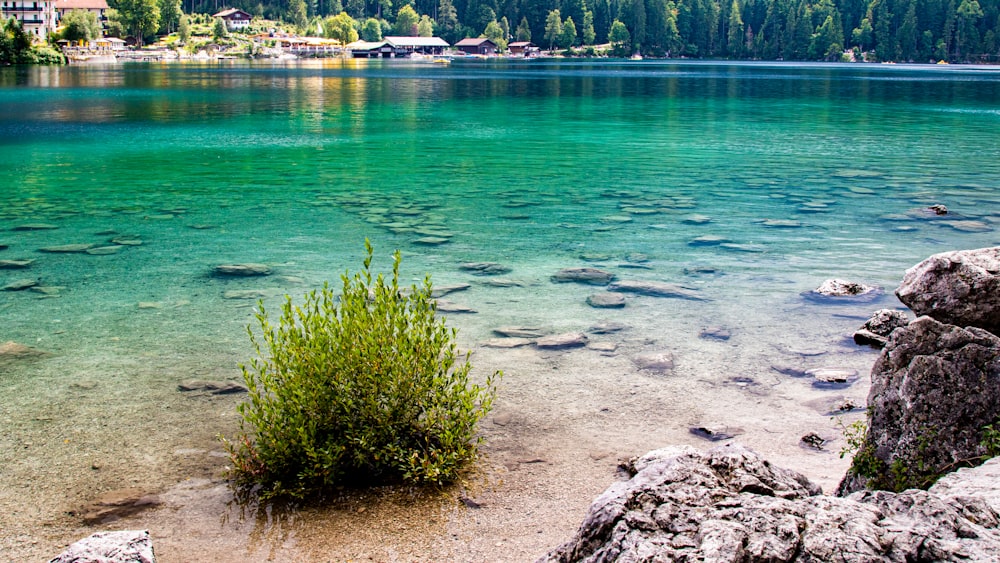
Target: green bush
{"points": [[366, 389]]}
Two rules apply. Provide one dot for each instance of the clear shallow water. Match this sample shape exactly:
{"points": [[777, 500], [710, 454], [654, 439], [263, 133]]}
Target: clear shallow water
{"points": [[537, 166]]}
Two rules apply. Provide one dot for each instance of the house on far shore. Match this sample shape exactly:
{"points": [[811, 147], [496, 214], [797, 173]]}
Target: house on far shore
{"points": [[477, 46], [235, 18], [421, 45], [37, 17], [98, 7], [523, 49]]}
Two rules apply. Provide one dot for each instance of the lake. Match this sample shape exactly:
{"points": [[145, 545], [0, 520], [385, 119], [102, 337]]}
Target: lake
{"points": [[747, 185]]}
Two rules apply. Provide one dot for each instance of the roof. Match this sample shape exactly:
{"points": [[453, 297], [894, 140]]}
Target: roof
{"points": [[229, 12], [366, 45], [474, 42], [521, 44], [81, 5], [411, 41]]}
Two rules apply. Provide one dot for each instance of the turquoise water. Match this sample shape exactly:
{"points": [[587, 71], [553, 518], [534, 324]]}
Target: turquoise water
{"points": [[801, 173]]}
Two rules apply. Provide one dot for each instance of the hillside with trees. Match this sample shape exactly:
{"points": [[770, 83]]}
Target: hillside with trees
{"points": [[813, 30]]}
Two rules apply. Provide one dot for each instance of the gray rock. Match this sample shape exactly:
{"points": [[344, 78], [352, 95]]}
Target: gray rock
{"points": [[20, 285], [607, 300], [562, 341], [716, 432], [445, 306], [15, 264], [35, 227], [245, 294], [213, 387], [876, 330], [729, 504], [708, 240], [519, 331], [127, 546], [832, 377], [431, 241], [590, 276], [105, 250], [934, 388], [484, 268], [842, 288], [506, 342], [715, 333], [242, 270], [655, 289], [661, 361], [960, 288], [67, 248], [607, 327], [11, 351], [445, 289]]}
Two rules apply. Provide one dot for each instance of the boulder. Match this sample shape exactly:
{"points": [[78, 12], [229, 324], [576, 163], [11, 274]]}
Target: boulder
{"points": [[590, 276], [934, 389], [242, 270], [876, 330], [562, 341], [213, 387], [655, 289], [842, 288], [960, 288], [606, 300], [729, 504], [127, 546]]}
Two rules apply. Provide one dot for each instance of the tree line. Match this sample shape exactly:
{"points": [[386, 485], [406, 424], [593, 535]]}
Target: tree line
{"points": [[873, 30]]}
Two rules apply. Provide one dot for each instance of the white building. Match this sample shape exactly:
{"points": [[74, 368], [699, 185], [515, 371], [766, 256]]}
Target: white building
{"points": [[37, 17], [98, 7]]}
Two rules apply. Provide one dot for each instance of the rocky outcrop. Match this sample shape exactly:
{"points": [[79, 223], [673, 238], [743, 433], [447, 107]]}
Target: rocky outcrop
{"points": [[128, 546], [876, 330], [960, 288], [934, 389], [729, 504]]}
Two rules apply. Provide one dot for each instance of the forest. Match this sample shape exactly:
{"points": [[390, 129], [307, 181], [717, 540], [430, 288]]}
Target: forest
{"points": [[831, 30]]}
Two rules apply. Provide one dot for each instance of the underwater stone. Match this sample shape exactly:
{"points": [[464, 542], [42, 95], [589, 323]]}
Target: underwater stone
{"points": [[715, 333], [506, 342], [67, 248], [607, 327], [608, 300], [519, 331], [19, 285], [242, 270], [445, 306], [35, 227], [213, 387], [561, 341], [842, 288], [590, 276], [15, 264], [105, 250], [707, 240], [662, 361], [655, 289], [431, 241], [484, 268]]}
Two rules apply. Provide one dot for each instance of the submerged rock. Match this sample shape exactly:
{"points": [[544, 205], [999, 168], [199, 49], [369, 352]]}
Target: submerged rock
{"points": [[607, 327], [832, 377], [445, 289], [484, 268], [590, 276], [607, 300], [507, 342], [20, 285], [35, 227], [716, 432], [519, 331], [445, 306], [68, 248], [15, 264], [127, 546], [655, 289], [662, 361], [248, 269], [960, 287], [213, 387], [11, 351], [715, 333], [562, 341], [729, 504]]}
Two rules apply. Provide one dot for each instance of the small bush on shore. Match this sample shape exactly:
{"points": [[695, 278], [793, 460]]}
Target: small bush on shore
{"points": [[366, 389]]}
